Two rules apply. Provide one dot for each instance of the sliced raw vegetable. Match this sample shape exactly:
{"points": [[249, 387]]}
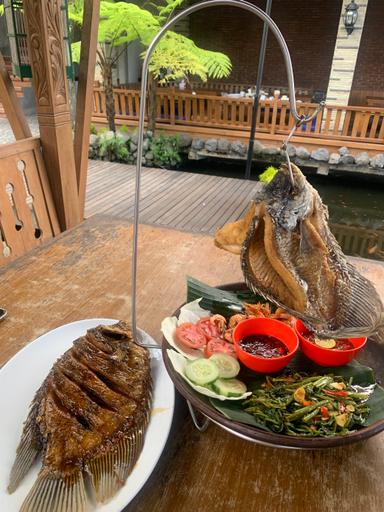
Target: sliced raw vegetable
{"points": [[209, 327], [229, 387], [331, 343], [190, 336], [218, 345], [202, 371], [228, 366]]}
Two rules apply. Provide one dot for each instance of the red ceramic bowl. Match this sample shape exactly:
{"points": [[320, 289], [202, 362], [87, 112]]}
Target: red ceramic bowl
{"points": [[269, 327], [327, 356]]}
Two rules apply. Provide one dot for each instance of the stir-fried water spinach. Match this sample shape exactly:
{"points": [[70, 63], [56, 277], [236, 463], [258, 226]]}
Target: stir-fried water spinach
{"points": [[301, 405]]}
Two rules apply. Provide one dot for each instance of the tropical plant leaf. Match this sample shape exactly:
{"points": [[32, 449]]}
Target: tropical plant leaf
{"points": [[220, 301], [182, 57], [169, 7], [122, 22]]}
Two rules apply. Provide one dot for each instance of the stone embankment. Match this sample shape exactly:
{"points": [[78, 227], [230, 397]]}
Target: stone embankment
{"points": [[320, 158]]}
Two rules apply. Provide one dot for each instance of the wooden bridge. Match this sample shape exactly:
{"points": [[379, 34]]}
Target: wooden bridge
{"points": [[212, 115]]}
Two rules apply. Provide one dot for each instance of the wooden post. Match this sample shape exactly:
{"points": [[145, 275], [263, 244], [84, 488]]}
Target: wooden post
{"points": [[46, 54], [11, 104], [85, 94]]}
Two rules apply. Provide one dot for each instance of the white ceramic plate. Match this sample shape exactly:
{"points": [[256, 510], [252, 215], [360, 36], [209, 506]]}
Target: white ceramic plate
{"points": [[22, 376]]}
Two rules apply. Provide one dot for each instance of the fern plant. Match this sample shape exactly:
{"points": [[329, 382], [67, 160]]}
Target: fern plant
{"points": [[122, 23]]}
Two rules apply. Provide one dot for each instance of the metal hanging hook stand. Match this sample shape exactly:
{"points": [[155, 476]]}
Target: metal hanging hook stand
{"points": [[293, 110], [284, 146]]}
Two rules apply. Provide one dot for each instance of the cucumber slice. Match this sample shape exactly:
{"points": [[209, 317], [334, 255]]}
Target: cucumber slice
{"points": [[202, 371], [228, 366], [229, 387]]}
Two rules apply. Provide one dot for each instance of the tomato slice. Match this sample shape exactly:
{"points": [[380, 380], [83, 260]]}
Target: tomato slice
{"points": [[219, 345], [190, 335], [208, 328]]}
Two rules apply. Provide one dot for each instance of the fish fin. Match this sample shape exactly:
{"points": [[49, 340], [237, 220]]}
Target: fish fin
{"points": [[26, 453], [232, 235], [305, 244], [310, 239], [52, 494], [295, 291], [109, 472]]}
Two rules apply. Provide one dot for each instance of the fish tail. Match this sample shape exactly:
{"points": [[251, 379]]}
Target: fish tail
{"points": [[56, 494], [26, 453], [109, 471]]}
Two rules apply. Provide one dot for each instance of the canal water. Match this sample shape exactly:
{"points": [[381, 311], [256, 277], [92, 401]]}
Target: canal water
{"points": [[355, 204]]}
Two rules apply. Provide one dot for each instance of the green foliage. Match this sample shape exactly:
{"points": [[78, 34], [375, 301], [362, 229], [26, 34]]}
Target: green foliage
{"points": [[161, 151], [113, 149], [1, 10], [93, 129], [124, 129], [166, 152], [181, 57], [268, 175], [166, 10], [122, 22]]}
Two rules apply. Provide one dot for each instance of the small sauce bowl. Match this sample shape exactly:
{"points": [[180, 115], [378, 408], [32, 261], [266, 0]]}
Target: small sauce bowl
{"points": [[326, 356], [268, 327]]}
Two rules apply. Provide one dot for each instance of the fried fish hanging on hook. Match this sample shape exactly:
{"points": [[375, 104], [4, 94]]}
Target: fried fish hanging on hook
{"points": [[289, 256], [88, 419]]}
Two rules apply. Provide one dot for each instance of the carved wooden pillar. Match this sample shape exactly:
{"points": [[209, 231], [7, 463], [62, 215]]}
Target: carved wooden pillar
{"points": [[46, 51]]}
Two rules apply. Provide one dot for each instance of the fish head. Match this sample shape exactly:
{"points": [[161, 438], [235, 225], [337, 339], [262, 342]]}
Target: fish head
{"points": [[287, 203]]}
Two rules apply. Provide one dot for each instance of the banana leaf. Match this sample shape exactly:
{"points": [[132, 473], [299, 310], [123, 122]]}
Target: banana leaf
{"points": [[219, 301]]}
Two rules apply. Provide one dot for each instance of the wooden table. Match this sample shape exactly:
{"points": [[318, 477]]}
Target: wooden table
{"points": [[85, 273]]}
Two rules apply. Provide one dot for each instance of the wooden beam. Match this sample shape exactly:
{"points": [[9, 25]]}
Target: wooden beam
{"points": [[11, 104], [85, 94], [47, 58]]}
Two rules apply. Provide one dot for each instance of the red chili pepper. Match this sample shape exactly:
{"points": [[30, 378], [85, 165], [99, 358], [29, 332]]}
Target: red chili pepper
{"points": [[336, 393], [324, 410]]}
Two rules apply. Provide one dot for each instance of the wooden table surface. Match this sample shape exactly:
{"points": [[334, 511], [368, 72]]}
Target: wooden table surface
{"points": [[85, 273]]}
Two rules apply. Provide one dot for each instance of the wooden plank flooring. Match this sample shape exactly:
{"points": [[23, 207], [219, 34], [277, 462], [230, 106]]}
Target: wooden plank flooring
{"points": [[188, 202]]}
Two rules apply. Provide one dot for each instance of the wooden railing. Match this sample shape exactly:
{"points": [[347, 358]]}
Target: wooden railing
{"points": [[360, 241], [273, 117], [228, 87]]}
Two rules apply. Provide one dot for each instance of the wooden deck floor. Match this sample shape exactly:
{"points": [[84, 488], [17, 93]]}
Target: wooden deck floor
{"points": [[189, 202]]}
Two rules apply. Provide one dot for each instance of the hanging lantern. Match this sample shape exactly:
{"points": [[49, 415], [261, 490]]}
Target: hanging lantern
{"points": [[17, 33], [350, 17]]}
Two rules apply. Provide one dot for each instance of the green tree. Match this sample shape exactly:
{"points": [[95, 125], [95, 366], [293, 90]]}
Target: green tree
{"points": [[122, 23]]}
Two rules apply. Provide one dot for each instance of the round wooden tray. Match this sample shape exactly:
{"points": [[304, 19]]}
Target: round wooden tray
{"points": [[373, 356]]}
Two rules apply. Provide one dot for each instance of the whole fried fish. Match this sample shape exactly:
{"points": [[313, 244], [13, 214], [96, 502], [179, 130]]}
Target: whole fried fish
{"points": [[88, 419], [289, 256]]}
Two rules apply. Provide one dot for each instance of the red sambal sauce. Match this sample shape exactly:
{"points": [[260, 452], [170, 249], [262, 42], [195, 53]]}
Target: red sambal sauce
{"points": [[263, 345], [343, 345]]}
